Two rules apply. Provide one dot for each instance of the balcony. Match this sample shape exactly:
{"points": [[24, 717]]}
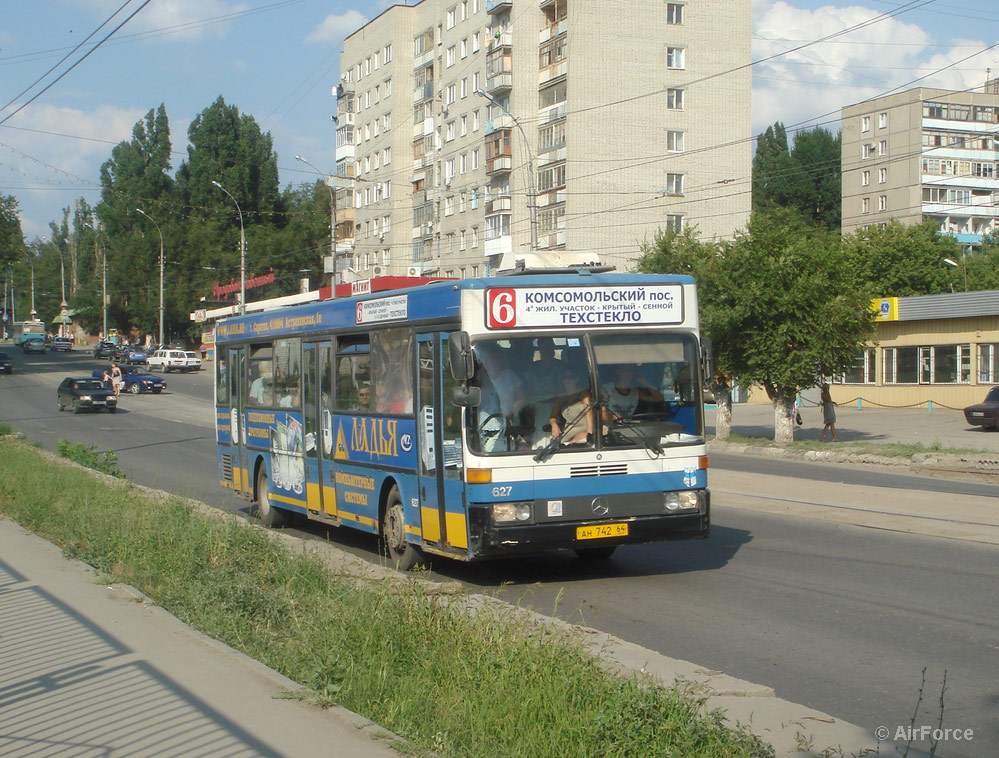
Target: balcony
{"points": [[499, 83], [501, 121], [501, 164], [424, 92], [502, 203], [497, 6], [499, 37], [344, 88]]}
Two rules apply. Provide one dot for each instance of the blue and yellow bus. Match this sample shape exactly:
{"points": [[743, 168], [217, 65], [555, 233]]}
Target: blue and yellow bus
{"points": [[474, 418]]}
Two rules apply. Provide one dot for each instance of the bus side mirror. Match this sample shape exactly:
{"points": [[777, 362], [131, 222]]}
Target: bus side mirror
{"points": [[460, 351], [707, 362], [464, 396]]}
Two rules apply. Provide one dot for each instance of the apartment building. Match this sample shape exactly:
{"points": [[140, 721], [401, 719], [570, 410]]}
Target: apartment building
{"points": [[475, 133], [924, 153]]}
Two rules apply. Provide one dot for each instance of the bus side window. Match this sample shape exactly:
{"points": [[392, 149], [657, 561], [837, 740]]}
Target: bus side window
{"points": [[352, 387], [391, 370]]}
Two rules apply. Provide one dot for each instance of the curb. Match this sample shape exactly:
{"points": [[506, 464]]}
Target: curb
{"points": [[939, 464]]}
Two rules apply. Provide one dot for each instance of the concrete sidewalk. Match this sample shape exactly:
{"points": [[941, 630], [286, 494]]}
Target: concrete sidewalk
{"points": [[944, 427], [91, 670]]}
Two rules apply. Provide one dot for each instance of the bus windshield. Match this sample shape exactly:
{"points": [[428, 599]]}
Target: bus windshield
{"points": [[607, 390]]}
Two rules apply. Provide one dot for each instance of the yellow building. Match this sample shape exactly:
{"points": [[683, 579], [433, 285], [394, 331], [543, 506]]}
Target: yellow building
{"points": [[942, 349]]}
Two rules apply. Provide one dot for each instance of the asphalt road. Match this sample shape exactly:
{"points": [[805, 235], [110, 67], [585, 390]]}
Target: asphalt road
{"points": [[838, 617]]}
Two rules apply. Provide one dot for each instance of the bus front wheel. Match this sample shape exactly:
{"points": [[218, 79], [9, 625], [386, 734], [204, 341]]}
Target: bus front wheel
{"points": [[269, 516], [403, 555]]}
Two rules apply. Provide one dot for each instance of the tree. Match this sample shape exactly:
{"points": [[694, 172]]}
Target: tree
{"points": [[805, 177], [781, 303], [228, 147], [137, 175], [793, 309], [898, 260], [772, 169], [675, 252], [816, 187], [11, 237]]}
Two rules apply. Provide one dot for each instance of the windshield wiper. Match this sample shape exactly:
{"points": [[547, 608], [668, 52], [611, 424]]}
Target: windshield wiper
{"points": [[651, 445], [556, 442]]}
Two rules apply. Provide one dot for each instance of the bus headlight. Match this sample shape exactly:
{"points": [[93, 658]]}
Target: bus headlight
{"points": [[688, 500], [506, 513]]}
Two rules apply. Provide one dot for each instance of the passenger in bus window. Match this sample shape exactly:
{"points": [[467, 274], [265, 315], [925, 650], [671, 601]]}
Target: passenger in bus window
{"points": [[364, 397], [503, 396], [290, 397], [572, 418], [543, 386], [620, 397], [260, 389]]}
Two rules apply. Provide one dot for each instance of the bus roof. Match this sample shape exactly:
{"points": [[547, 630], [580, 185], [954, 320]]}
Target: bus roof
{"points": [[429, 302]]}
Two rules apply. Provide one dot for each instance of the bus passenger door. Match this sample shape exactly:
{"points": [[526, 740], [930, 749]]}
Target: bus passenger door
{"points": [[237, 421], [442, 506], [316, 377]]}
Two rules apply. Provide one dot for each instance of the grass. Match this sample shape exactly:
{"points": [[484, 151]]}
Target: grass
{"points": [[887, 449], [452, 682]]}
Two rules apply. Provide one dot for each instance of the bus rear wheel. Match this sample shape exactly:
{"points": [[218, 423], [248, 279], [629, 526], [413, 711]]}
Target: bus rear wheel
{"points": [[403, 555], [269, 516]]}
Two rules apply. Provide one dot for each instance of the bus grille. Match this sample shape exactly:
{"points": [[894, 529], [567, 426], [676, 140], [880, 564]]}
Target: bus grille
{"points": [[227, 468], [599, 469]]}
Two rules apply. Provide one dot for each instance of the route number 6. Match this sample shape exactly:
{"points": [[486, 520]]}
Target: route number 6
{"points": [[502, 310]]}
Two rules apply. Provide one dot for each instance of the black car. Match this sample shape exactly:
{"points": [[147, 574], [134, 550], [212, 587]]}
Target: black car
{"points": [[84, 393], [6, 366], [986, 413], [104, 350]]}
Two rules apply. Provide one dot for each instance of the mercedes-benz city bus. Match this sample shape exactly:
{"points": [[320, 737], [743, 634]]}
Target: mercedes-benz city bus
{"points": [[474, 418]]}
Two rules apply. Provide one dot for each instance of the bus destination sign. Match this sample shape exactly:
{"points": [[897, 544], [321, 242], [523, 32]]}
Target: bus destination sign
{"points": [[618, 305], [395, 308]]}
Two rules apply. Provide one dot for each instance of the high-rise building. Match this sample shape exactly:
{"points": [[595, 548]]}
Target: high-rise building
{"points": [[473, 133], [924, 153]]}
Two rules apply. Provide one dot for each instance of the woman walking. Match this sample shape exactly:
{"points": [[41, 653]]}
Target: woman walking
{"points": [[828, 413]]}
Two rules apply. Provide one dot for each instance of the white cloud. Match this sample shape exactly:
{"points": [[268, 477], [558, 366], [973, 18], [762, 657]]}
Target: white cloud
{"points": [[55, 166], [824, 77], [336, 28], [175, 19]]}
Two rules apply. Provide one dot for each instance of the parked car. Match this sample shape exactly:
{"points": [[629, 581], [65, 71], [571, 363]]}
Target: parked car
{"points": [[136, 379], [84, 393], [985, 413], [62, 343], [34, 344], [174, 360], [6, 367], [104, 350], [134, 355]]}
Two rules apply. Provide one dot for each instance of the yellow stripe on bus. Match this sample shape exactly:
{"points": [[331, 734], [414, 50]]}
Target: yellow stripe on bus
{"points": [[457, 529], [329, 499], [431, 524], [312, 496], [288, 500]]}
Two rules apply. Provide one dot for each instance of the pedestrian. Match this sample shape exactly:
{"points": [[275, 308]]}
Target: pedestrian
{"points": [[116, 380], [828, 414]]}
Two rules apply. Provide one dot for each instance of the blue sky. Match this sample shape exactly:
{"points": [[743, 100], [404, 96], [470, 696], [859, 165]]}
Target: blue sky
{"points": [[277, 60]]}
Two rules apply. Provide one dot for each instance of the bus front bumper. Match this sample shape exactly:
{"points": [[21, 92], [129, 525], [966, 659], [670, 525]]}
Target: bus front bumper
{"points": [[489, 540]]}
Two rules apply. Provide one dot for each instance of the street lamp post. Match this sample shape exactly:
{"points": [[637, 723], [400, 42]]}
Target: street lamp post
{"points": [[242, 251], [532, 200], [139, 210], [955, 264], [332, 208]]}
